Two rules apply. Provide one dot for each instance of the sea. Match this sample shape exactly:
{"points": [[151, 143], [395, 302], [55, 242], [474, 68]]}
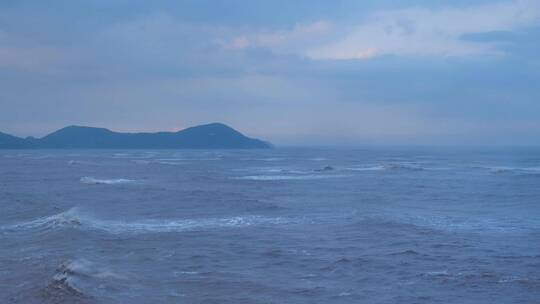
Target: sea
{"points": [[286, 225]]}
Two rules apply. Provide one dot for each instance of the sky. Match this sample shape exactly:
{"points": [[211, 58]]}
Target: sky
{"points": [[304, 72]]}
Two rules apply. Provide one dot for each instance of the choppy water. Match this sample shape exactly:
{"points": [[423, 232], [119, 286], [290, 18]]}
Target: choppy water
{"points": [[278, 226]]}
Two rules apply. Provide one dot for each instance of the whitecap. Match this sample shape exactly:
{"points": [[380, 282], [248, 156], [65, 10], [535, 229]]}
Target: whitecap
{"points": [[438, 273], [170, 163], [289, 177], [67, 218], [268, 159], [95, 181], [511, 279], [141, 162], [449, 223], [367, 168], [402, 166], [121, 155], [282, 170], [73, 218], [38, 157], [171, 159], [180, 273], [76, 277], [510, 169]]}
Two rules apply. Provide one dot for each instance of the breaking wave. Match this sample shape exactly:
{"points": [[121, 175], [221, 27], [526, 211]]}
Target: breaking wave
{"points": [[141, 162], [367, 168], [511, 170], [171, 163], [74, 218], [95, 181], [267, 159], [480, 225], [74, 278], [403, 166], [393, 167], [272, 170], [290, 177]]}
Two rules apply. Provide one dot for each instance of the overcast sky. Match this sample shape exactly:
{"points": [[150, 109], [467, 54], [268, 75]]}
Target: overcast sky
{"points": [[292, 72]]}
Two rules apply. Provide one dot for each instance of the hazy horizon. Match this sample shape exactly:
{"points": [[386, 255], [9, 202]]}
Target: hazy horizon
{"points": [[303, 73]]}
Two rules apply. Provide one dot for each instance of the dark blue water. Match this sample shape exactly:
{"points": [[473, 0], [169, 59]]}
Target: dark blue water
{"points": [[277, 226]]}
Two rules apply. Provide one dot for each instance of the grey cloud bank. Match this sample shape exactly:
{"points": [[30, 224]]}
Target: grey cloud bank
{"points": [[308, 72]]}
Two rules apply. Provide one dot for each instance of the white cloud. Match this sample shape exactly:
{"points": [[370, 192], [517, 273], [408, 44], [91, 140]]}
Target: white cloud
{"points": [[286, 41], [406, 32], [425, 32]]}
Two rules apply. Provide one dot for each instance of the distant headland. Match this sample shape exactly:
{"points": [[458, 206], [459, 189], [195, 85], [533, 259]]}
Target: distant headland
{"points": [[209, 136]]}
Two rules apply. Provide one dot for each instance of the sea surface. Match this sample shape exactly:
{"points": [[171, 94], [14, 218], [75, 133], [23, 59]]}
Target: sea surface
{"points": [[373, 225]]}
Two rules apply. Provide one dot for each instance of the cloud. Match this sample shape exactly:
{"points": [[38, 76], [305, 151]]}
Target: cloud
{"points": [[414, 31], [286, 41], [430, 32], [279, 80]]}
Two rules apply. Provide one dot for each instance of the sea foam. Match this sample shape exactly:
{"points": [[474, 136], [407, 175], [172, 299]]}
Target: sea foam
{"points": [[74, 218], [290, 177], [95, 181]]}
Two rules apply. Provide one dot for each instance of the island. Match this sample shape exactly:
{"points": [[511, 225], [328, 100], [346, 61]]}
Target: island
{"points": [[209, 136]]}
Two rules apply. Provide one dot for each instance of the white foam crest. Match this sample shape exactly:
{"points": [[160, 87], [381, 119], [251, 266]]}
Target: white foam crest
{"points": [[170, 163], [141, 162], [510, 169], [367, 168], [402, 166], [75, 277], [268, 159], [73, 218], [156, 226], [290, 177], [448, 223], [38, 157], [172, 159], [66, 218], [86, 268], [391, 167], [282, 170], [94, 181], [121, 155]]}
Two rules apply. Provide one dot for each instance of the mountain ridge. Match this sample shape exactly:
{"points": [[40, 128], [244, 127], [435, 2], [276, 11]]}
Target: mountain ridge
{"points": [[207, 136]]}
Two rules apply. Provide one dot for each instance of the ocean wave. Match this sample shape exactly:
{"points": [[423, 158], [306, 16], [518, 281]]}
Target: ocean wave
{"points": [[267, 159], [95, 181], [74, 277], [133, 156], [408, 252], [403, 166], [448, 223], [38, 157], [170, 163], [74, 218], [141, 162], [290, 177], [509, 169], [63, 219], [367, 168], [281, 170], [85, 268], [184, 159], [388, 167], [525, 170]]}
